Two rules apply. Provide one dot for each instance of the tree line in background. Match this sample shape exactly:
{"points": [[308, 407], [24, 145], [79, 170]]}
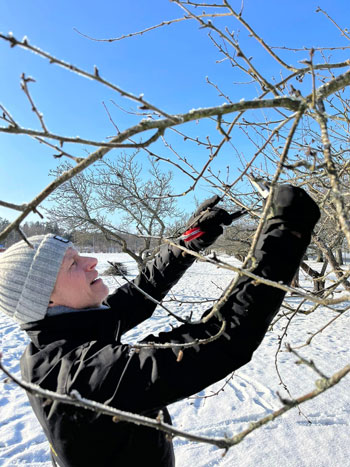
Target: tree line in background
{"points": [[235, 241], [86, 242]]}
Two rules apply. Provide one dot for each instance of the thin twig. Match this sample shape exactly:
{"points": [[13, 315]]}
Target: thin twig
{"points": [[238, 16], [332, 20], [151, 28], [94, 76], [24, 86]]}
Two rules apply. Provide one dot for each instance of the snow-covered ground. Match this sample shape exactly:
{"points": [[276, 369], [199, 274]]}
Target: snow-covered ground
{"points": [[317, 437]]}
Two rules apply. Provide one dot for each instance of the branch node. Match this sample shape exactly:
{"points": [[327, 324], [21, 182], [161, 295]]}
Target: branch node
{"points": [[74, 394]]}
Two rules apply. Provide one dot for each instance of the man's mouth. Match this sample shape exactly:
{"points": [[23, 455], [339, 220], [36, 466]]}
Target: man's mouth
{"points": [[95, 280]]}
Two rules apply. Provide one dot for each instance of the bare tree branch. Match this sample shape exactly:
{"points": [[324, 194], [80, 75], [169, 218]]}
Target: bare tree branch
{"points": [[151, 28], [226, 443]]}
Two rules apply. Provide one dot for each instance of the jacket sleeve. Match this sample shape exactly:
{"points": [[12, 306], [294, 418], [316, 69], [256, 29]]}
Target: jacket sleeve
{"points": [[156, 279], [144, 380]]}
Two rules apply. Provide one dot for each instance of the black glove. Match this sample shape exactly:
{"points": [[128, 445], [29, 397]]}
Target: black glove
{"points": [[293, 205], [205, 225]]}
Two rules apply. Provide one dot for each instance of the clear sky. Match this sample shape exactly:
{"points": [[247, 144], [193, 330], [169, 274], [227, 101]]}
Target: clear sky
{"points": [[168, 65]]}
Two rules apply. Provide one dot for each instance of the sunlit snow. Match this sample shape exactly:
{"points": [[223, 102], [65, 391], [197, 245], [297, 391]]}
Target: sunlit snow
{"points": [[316, 437]]}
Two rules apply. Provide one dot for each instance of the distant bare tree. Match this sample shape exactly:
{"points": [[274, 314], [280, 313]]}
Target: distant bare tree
{"points": [[119, 200]]}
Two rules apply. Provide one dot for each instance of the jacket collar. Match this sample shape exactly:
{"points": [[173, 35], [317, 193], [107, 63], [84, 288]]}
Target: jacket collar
{"points": [[60, 309], [77, 326]]}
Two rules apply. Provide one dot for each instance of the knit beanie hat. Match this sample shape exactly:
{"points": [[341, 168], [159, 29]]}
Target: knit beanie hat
{"points": [[28, 276]]}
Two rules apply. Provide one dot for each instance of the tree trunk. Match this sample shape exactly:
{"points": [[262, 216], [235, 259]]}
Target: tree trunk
{"points": [[295, 281], [319, 256], [317, 278], [332, 261], [339, 256]]}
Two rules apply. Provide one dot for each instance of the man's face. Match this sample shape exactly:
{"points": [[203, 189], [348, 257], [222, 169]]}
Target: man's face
{"points": [[77, 285]]}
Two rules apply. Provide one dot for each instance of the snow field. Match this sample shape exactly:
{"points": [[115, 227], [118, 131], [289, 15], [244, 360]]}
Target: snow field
{"points": [[317, 437]]}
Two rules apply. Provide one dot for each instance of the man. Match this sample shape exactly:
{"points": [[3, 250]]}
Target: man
{"points": [[58, 298]]}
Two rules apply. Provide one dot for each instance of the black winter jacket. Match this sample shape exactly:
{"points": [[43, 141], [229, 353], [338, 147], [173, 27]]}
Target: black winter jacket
{"points": [[82, 350]]}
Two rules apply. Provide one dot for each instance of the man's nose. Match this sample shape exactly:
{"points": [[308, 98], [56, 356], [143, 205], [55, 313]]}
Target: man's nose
{"points": [[91, 263]]}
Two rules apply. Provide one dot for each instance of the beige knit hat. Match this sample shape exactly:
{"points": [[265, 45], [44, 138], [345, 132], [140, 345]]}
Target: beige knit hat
{"points": [[28, 276]]}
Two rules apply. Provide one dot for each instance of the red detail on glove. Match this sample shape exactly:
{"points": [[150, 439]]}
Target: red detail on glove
{"points": [[191, 234]]}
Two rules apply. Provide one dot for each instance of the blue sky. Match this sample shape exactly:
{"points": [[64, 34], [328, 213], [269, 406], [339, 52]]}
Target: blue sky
{"points": [[168, 65]]}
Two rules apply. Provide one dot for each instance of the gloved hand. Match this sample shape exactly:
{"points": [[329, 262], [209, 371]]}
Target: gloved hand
{"points": [[205, 225], [293, 205]]}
